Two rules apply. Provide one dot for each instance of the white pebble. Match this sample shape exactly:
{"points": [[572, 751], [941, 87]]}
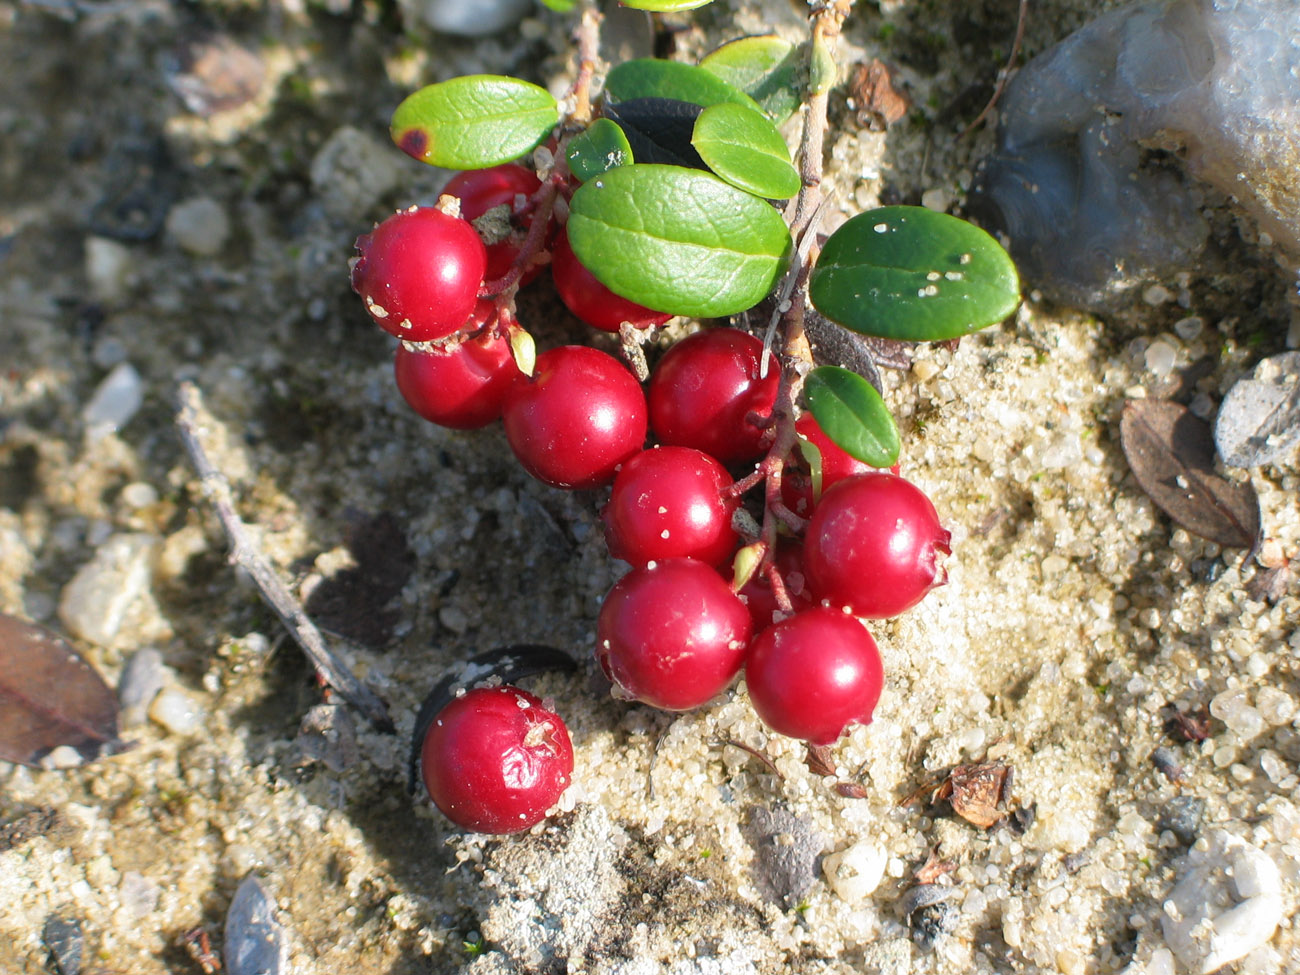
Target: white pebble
{"points": [[854, 873], [116, 399], [199, 225], [1160, 358], [95, 603], [175, 711], [108, 268], [1274, 706], [1190, 327]]}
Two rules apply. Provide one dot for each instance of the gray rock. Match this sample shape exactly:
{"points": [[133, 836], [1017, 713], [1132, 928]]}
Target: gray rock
{"points": [[329, 736], [786, 853], [115, 400], [352, 171], [199, 225], [468, 20], [1088, 218], [142, 678], [1259, 420], [1182, 816], [254, 941]]}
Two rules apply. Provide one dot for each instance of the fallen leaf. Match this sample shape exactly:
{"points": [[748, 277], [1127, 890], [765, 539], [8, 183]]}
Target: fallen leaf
{"points": [[873, 94], [1259, 421], [978, 793], [50, 697], [1171, 454]]}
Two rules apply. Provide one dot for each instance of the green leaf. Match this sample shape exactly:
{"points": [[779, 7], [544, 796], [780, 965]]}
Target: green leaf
{"points": [[913, 274], [664, 6], [678, 240], [654, 78], [563, 6], [766, 68], [744, 148], [474, 121], [852, 414], [598, 149]]}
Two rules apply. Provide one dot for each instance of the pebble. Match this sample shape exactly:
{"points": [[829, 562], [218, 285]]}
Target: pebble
{"points": [[108, 268], [176, 711], [94, 604], [1226, 903], [1182, 816], [855, 872], [138, 893], [63, 938], [1258, 419], [468, 20], [142, 678], [254, 941], [199, 225], [1274, 706], [1160, 358], [352, 170], [115, 400], [1231, 708]]}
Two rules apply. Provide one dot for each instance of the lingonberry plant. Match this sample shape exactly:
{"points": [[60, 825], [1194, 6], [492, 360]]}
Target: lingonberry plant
{"points": [[670, 191]]}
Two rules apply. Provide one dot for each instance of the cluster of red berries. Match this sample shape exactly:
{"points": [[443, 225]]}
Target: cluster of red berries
{"points": [[673, 632]]}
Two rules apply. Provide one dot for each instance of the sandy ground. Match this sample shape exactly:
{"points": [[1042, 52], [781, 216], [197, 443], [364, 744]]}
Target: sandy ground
{"points": [[137, 230]]}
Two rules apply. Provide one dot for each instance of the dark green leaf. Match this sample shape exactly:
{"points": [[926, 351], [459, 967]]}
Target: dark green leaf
{"points": [[654, 78], [665, 6], [766, 68], [659, 130], [474, 122], [914, 274], [598, 149], [852, 414], [744, 148], [678, 240]]}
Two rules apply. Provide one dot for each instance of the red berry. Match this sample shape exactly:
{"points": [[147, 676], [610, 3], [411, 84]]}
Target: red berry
{"points": [[758, 596], [496, 759], [419, 273], [578, 417], [480, 190], [668, 502], [814, 674], [671, 634], [463, 386], [590, 300], [705, 387], [874, 546], [836, 464]]}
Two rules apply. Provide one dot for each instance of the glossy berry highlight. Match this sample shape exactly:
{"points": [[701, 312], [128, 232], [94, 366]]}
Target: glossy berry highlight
{"points": [[814, 674], [419, 273], [496, 759]]}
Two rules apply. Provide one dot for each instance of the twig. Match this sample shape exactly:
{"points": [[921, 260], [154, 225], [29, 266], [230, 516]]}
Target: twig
{"points": [[245, 553], [1005, 73]]}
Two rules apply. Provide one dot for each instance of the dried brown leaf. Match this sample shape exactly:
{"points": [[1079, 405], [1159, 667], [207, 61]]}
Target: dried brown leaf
{"points": [[50, 696], [1171, 453], [878, 100]]}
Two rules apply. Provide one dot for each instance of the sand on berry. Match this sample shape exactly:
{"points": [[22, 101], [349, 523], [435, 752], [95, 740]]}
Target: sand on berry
{"points": [[1075, 613]]}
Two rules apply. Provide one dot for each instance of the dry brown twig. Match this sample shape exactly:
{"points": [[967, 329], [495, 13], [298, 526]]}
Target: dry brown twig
{"points": [[191, 419]]}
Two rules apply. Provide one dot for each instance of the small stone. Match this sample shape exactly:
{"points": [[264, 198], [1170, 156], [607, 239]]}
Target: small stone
{"points": [[327, 735], [1190, 327], [174, 710], [854, 873], [1182, 816], [1157, 294], [63, 938], [1160, 358], [925, 369], [142, 678], [138, 893], [353, 170], [936, 198], [932, 922], [254, 940], [468, 20], [95, 603], [1231, 708], [199, 225], [108, 268], [115, 400], [1274, 706]]}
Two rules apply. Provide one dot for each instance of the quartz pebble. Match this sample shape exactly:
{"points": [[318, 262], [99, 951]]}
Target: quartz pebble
{"points": [[1226, 903], [142, 678], [855, 872], [176, 711], [199, 225], [352, 170], [95, 603], [108, 268], [115, 400]]}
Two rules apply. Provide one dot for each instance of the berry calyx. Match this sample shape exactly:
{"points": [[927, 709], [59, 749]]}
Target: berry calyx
{"points": [[419, 273], [814, 674], [668, 502], [672, 635], [576, 419], [462, 386], [874, 546], [704, 389], [496, 759], [590, 300], [757, 593], [480, 190]]}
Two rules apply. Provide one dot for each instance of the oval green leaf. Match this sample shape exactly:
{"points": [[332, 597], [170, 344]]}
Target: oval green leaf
{"points": [[474, 121], [598, 149], [664, 6], [852, 414], [744, 148], [766, 68], [913, 274], [678, 240], [655, 78]]}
